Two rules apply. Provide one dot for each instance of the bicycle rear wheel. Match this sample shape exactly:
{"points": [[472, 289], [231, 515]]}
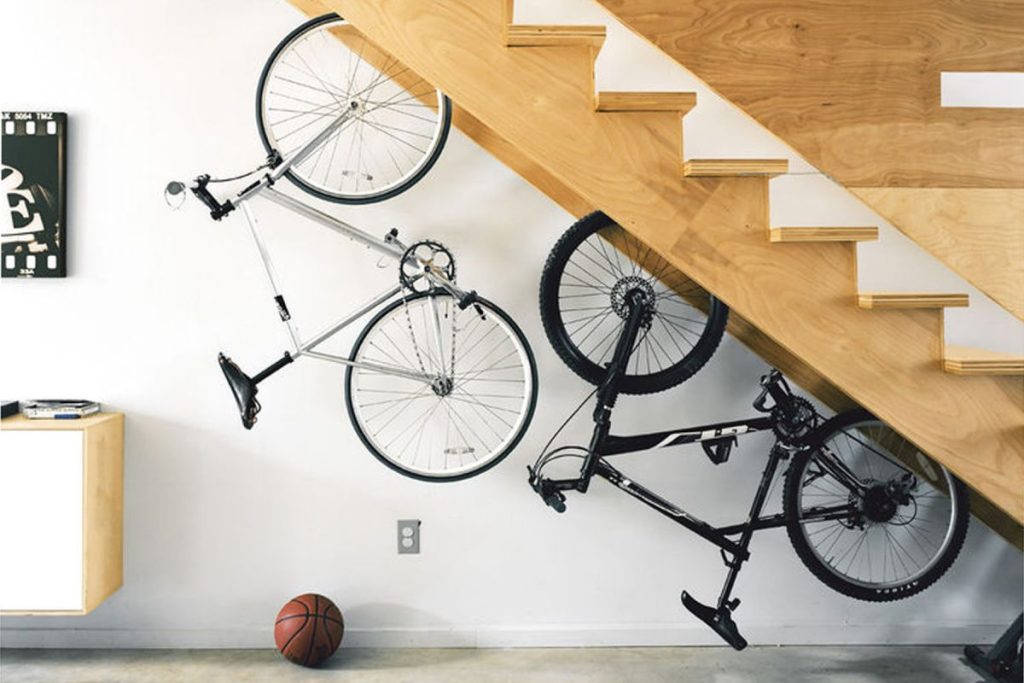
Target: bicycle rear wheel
{"points": [[399, 124], [907, 515], [473, 411]]}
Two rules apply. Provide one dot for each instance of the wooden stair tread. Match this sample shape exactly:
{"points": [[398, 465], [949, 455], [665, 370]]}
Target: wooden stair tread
{"points": [[963, 360], [910, 300], [735, 167], [809, 234], [681, 102], [538, 35]]}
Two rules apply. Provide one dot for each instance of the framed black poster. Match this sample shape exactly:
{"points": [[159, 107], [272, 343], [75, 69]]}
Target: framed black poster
{"points": [[33, 176]]}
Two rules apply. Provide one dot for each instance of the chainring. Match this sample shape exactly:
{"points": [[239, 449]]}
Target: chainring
{"points": [[420, 257], [793, 420]]}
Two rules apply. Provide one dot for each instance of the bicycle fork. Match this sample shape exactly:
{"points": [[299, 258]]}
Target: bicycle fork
{"points": [[608, 392]]}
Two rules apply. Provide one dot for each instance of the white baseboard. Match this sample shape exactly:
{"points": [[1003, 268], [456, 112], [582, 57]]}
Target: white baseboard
{"points": [[640, 635]]}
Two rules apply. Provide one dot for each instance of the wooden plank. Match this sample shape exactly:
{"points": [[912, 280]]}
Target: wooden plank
{"points": [[714, 230], [19, 421], [854, 86], [103, 530], [910, 300], [961, 360], [539, 35], [713, 168], [808, 234], [681, 102], [979, 233]]}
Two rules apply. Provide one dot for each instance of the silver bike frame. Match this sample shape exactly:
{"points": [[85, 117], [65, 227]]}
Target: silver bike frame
{"points": [[390, 247]]}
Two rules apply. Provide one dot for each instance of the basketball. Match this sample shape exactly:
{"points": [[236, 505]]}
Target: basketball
{"points": [[308, 629]]}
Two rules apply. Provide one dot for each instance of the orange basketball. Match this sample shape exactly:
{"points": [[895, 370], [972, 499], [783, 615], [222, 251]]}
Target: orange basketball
{"points": [[308, 629]]}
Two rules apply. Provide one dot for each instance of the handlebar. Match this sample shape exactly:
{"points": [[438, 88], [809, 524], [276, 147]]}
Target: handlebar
{"points": [[545, 488], [217, 209]]}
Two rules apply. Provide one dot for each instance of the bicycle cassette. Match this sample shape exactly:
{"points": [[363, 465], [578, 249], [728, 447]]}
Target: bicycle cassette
{"points": [[423, 257], [793, 420]]}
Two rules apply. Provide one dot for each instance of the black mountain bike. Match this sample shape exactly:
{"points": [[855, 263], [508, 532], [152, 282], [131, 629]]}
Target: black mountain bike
{"points": [[867, 512]]}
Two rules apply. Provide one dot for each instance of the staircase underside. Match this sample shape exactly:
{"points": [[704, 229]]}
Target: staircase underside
{"points": [[855, 88], [796, 307]]}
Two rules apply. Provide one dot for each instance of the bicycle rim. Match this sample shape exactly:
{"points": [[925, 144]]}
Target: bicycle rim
{"points": [[882, 552], [584, 290], [433, 430], [399, 122]]}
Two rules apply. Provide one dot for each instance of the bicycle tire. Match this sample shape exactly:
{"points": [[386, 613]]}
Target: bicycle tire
{"points": [[269, 144], [871, 591], [455, 473], [592, 369]]}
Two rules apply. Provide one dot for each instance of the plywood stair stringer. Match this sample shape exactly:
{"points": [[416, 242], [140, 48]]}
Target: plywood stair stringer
{"points": [[527, 99]]}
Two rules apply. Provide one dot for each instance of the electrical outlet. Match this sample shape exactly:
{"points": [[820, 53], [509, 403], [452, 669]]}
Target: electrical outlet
{"points": [[408, 537]]}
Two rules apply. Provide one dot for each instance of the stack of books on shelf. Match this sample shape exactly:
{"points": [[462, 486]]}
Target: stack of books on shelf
{"points": [[59, 409]]}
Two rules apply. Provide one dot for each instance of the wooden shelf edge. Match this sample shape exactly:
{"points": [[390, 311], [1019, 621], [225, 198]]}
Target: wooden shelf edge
{"points": [[540, 35], [44, 612], [696, 168], [19, 421], [873, 300], [962, 360], [641, 101], [809, 234]]}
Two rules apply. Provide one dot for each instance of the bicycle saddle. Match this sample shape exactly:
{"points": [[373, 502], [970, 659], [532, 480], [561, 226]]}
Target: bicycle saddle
{"points": [[720, 620], [243, 388]]}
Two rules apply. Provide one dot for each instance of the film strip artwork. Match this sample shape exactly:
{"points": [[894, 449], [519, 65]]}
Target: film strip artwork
{"points": [[33, 175]]}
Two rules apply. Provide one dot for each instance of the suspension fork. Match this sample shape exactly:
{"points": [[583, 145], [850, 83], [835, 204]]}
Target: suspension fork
{"points": [[608, 392]]}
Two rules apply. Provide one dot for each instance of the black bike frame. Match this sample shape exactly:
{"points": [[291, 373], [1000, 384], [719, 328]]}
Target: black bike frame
{"points": [[718, 440]]}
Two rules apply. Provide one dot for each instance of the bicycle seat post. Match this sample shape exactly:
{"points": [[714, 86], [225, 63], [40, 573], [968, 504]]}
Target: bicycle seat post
{"points": [[608, 392]]}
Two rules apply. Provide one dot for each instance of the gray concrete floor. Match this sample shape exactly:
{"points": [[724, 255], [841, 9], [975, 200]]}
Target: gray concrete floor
{"points": [[555, 665]]}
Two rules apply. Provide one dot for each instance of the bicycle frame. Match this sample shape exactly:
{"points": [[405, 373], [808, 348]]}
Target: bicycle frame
{"points": [[389, 246], [717, 441]]}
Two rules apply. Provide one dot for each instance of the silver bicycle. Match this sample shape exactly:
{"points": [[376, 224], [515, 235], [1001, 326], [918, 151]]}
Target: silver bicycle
{"points": [[440, 384]]}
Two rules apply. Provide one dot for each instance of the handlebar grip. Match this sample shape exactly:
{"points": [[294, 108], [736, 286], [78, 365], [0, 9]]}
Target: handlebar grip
{"points": [[551, 496], [556, 500]]}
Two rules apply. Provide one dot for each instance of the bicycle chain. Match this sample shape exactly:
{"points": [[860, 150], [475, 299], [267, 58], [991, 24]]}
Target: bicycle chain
{"points": [[408, 317]]}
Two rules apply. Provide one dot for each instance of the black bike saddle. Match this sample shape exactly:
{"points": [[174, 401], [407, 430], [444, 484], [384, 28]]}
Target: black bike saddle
{"points": [[720, 620], [243, 388]]}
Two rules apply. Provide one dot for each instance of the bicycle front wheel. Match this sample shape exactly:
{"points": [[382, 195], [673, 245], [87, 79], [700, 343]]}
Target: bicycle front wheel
{"points": [[473, 403], [583, 293], [399, 122], [869, 514]]}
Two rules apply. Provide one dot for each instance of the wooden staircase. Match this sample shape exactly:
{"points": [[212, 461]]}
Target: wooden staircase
{"points": [[856, 89], [530, 91]]}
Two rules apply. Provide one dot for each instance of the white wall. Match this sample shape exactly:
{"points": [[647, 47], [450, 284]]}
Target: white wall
{"points": [[224, 525]]}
